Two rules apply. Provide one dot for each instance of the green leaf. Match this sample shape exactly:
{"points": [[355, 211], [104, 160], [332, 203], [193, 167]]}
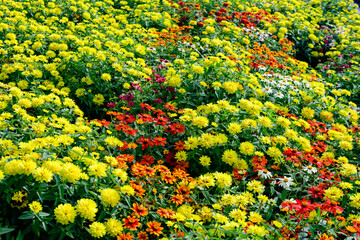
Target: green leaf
{"points": [[43, 214], [4, 230], [26, 216]]}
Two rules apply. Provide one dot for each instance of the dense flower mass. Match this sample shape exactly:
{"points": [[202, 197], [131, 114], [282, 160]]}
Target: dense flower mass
{"points": [[179, 119]]}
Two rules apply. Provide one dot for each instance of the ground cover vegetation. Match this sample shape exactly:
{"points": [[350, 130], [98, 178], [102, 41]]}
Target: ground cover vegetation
{"points": [[187, 119]]}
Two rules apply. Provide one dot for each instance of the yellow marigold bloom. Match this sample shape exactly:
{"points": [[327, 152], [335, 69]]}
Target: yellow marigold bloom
{"points": [[97, 229], [355, 200], [110, 196], [121, 174], [333, 193], [191, 143], [98, 99], [231, 87], [283, 122], [307, 113], [106, 77], [255, 186], [35, 206], [197, 69], [86, 208], [200, 121], [98, 170], [174, 81], [113, 227], [181, 156], [247, 148], [205, 161], [222, 179], [229, 157], [234, 128], [265, 121], [345, 145], [257, 230], [238, 214], [70, 172], [65, 213], [255, 217], [42, 174], [127, 189], [348, 169], [113, 142], [327, 116], [273, 152]]}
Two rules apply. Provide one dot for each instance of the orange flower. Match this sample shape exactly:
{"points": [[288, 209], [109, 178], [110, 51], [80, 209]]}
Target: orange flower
{"points": [[325, 237], [177, 199], [124, 236], [139, 210], [131, 222], [154, 228], [142, 236]]}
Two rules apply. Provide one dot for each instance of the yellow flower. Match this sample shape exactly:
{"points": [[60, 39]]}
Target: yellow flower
{"points": [[255, 186], [97, 229], [35, 206], [326, 116], [110, 197], [98, 99], [273, 152], [65, 213], [42, 174], [205, 161], [234, 128], [348, 169], [181, 156], [307, 113], [247, 148], [333, 193], [106, 77], [127, 189], [113, 227], [355, 200], [229, 157], [86, 208], [113, 142]]}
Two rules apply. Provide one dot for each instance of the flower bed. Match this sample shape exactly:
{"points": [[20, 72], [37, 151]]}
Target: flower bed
{"points": [[179, 120]]}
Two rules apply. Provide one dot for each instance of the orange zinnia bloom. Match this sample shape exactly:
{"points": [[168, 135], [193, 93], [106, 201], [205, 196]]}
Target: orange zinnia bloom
{"points": [[154, 228], [131, 222], [126, 236], [139, 210]]}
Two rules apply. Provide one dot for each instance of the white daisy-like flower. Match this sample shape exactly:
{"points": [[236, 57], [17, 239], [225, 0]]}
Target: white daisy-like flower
{"points": [[286, 182], [279, 95], [310, 169], [265, 174], [267, 90]]}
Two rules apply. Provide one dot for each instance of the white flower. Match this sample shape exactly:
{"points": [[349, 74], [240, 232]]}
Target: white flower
{"points": [[267, 90], [279, 95], [265, 174], [286, 182], [310, 169]]}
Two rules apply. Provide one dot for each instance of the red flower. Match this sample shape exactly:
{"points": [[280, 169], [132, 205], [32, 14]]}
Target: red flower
{"points": [[145, 142], [159, 141], [175, 128], [179, 146], [154, 228], [161, 121], [331, 206], [303, 207], [147, 160], [316, 192], [131, 222]]}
